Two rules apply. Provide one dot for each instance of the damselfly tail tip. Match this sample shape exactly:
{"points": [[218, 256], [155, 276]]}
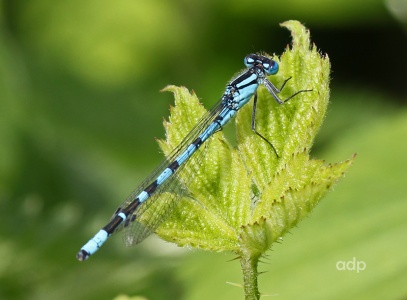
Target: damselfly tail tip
{"points": [[82, 255]]}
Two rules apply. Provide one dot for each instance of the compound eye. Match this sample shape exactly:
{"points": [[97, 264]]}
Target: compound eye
{"points": [[270, 67]]}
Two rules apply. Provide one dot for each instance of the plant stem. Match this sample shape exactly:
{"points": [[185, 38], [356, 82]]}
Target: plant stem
{"points": [[249, 262]]}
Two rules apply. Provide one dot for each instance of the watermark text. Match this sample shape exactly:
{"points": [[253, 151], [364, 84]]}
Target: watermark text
{"points": [[351, 265]]}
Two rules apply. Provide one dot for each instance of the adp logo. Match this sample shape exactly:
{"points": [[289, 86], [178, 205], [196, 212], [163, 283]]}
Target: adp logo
{"points": [[351, 265]]}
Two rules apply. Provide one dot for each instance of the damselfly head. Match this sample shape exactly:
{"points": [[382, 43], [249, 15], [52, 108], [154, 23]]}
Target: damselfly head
{"points": [[267, 64]]}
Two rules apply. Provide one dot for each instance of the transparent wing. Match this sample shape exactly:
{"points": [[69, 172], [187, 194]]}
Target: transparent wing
{"points": [[150, 214]]}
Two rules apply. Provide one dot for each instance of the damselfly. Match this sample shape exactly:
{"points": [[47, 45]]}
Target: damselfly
{"points": [[162, 184]]}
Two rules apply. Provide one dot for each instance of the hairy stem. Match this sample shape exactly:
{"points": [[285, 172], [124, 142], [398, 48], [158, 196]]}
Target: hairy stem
{"points": [[250, 274]]}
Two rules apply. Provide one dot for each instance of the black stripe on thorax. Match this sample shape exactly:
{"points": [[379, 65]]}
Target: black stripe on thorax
{"points": [[243, 77]]}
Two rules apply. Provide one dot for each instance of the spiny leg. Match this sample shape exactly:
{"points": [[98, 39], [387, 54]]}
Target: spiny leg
{"points": [[274, 91], [254, 125]]}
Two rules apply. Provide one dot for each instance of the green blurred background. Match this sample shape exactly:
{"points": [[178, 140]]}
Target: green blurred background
{"points": [[80, 107]]}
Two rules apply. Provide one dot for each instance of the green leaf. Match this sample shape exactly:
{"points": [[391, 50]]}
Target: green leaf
{"points": [[244, 199]]}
